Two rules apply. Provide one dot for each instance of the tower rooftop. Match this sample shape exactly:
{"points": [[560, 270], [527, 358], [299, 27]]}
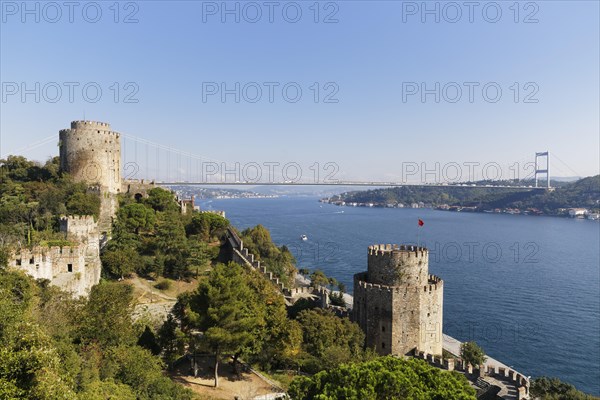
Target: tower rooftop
{"points": [[85, 124]]}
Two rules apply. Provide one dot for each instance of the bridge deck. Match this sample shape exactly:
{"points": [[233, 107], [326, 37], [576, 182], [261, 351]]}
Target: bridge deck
{"points": [[374, 184]]}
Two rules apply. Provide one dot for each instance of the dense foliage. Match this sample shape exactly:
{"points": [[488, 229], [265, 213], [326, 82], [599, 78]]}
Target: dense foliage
{"points": [[241, 314], [55, 347], [545, 388], [33, 197], [582, 193], [383, 378], [278, 260], [151, 237]]}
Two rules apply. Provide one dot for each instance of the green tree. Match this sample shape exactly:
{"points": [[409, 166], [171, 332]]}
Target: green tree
{"points": [[102, 390], [318, 277], [330, 339], [84, 204], [472, 354], [227, 310], [120, 262], [162, 200], [30, 366], [199, 255], [137, 368], [383, 378], [17, 168], [106, 317], [545, 388], [279, 339], [136, 217], [148, 341], [279, 261], [207, 225], [171, 241], [171, 340]]}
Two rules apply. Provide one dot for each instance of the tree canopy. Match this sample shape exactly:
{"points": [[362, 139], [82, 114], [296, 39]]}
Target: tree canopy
{"points": [[55, 347], [545, 388], [34, 196], [471, 353], [151, 237], [278, 260], [383, 378]]}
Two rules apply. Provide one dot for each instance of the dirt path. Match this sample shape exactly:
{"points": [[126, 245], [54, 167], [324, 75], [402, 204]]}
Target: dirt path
{"points": [[245, 387]]}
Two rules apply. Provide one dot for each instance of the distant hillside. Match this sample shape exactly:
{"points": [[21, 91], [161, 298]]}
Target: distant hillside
{"points": [[583, 193]]}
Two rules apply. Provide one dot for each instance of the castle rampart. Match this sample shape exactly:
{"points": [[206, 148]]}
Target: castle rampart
{"points": [[74, 267]]}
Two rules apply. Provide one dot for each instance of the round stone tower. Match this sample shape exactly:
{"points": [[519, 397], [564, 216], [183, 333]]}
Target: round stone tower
{"points": [[91, 152], [397, 303]]}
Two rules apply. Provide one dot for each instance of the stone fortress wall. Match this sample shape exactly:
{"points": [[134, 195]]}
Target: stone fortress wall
{"points": [[397, 303], [75, 267], [515, 384], [91, 153]]}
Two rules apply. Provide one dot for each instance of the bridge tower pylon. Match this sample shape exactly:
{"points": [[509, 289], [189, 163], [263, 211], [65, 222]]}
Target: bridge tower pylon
{"points": [[540, 170]]}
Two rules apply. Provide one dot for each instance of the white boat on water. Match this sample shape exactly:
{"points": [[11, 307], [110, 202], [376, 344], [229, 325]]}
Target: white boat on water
{"points": [[304, 237]]}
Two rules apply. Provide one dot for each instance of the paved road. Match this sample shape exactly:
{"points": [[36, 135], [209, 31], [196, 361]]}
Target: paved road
{"points": [[453, 346]]}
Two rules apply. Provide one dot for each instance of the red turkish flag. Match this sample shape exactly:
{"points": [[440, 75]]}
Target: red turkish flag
{"points": [[421, 223]]}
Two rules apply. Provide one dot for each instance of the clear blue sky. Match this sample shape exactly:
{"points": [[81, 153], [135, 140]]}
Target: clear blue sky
{"points": [[369, 54]]}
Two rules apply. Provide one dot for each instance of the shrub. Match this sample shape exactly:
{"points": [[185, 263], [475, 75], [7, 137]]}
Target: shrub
{"points": [[163, 285]]}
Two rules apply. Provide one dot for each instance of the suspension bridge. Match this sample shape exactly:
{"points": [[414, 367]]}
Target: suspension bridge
{"points": [[142, 159]]}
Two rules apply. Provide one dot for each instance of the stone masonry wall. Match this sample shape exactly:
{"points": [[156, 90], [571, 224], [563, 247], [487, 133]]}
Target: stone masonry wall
{"points": [[75, 268], [91, 152], [397, 303]]}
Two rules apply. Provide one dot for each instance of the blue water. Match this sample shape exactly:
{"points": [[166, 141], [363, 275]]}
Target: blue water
{"points": [[526, 288]]}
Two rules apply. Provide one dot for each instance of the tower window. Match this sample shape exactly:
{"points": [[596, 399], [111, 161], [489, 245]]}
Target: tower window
{"points": [[31, 260], [382, 345], [383, 329], [428, 314], [18, 261], [69, 267]]}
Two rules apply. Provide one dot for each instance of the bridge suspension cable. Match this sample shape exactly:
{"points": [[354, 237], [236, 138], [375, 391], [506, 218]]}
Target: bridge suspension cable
{"points": [[554, 156], [166, 163], [31, 146]]}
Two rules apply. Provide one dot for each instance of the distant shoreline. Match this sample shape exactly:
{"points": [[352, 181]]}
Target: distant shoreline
{"points": [[470, 209]]}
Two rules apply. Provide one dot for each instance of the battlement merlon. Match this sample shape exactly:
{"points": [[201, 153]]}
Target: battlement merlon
{"points": [[402, 250], [86, 218], [434, 283], [85, 124], [78, 220], [79, 227], [67, 131]]}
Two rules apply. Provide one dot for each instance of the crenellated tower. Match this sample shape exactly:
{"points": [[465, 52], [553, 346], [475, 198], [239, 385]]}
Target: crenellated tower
{"points": [[397, 303], [91, 152]]}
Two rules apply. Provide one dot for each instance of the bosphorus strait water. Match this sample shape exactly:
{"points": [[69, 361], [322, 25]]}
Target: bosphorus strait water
{"points": [[527, 289]]}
